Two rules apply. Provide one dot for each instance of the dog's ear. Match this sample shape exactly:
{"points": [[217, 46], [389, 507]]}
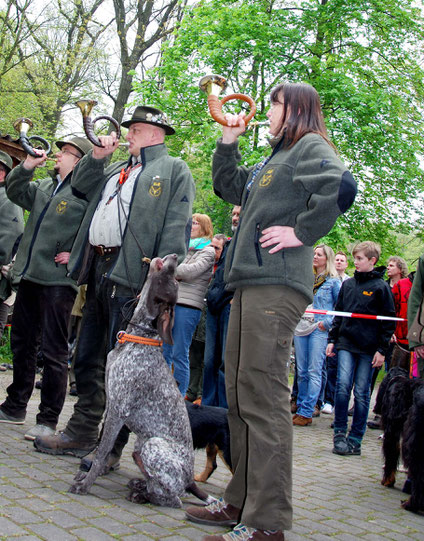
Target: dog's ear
{"points": [[165, 322]]}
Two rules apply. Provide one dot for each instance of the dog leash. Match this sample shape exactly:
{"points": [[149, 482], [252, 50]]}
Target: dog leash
{"points": [[122, 337]]}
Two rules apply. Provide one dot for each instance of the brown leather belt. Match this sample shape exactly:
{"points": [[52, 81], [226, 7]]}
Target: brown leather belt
{"points": [[106, 250]]}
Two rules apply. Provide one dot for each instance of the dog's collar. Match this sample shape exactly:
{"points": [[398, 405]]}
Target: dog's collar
{"points": [[122, 337]]}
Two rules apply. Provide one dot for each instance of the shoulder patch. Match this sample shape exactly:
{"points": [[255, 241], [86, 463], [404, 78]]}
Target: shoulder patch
{"points": [[367, 293], [184, 199], [15, 219]]}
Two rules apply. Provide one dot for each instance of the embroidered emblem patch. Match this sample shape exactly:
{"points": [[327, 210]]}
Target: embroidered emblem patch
{"points": [[156, 187], [61, 207], [367, 293], [267, 178]]}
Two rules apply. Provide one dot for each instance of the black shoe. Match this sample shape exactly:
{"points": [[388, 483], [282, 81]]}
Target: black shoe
{"points": [[111, 465], [354, 446], [39, 384], [73, 389], [375, 423], [340, 444]]}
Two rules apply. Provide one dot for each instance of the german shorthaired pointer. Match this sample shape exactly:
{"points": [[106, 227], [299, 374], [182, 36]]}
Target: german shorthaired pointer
{"points": [[142, 394]]}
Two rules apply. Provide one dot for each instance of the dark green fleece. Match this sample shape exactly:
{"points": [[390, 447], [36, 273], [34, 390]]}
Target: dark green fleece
{"points": [[159, 215], [305, 187], [51, 228]]}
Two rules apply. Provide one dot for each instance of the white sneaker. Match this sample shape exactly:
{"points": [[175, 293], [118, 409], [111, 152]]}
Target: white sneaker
{"points": [[327, 408], [39, 430]]}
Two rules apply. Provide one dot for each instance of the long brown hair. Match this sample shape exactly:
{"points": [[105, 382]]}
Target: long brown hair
{"points": [[302, 112]]}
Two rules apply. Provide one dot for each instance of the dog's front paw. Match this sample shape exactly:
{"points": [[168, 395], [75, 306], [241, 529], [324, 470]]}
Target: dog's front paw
{"points": [[80, 476], [78, 488]]}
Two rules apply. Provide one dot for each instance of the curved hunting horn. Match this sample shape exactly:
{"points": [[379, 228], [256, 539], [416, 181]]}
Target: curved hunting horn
{"points": [[213, 85]]}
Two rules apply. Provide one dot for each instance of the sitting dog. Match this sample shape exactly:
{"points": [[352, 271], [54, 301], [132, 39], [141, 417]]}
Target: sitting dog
{"points": [[402, 415], [209, 429], [142, 394]]}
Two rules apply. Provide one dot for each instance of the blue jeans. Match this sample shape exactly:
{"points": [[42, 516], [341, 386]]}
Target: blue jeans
{"points": [[354, 370], [310, 357], [185, 323], [214, 368]]}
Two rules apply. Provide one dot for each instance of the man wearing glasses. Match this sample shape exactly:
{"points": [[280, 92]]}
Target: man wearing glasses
{"points": [[46, 292]]}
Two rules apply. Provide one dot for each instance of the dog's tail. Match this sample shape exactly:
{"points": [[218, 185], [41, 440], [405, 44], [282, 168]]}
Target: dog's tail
{"points": [[192, 488]]}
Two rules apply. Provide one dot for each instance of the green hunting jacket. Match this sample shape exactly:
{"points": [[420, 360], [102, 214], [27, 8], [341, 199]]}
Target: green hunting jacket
{"points": [[414, 302], [305, 187], [159, 215], [11, 229], [52, 225]]}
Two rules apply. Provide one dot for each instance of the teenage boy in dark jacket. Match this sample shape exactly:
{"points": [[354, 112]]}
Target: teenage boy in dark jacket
{"points": [[361, 344]]}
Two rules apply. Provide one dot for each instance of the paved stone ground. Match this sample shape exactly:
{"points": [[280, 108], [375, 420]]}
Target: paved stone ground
{"points": [[334, 497]]}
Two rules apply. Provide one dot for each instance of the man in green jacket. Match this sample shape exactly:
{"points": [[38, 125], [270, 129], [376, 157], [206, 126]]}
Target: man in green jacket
{"points": [[11, 229], [46, 293], [416, 317], [137, 210]]}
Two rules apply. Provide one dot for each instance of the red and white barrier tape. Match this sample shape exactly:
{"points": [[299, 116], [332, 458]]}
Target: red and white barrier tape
{"points": [[353, 315]]}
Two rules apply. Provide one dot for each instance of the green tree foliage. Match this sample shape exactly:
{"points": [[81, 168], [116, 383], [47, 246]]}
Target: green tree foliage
{"points": [[363, 56]]}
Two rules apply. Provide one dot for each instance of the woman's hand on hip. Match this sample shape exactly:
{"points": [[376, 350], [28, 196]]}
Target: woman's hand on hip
{"points": [[281, 236]]}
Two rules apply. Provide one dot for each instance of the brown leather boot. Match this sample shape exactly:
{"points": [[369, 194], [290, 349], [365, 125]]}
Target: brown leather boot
{"points": [[218, 513], [244, 533], [300, 420]]}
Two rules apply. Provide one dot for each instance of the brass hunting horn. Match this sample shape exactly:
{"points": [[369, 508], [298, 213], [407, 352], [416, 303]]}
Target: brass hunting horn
{"points": [[213, 85], [22, 125], [85, 108]]}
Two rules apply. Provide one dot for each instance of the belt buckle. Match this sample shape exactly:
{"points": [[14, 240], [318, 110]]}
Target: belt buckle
{"points": [[102, 249]]}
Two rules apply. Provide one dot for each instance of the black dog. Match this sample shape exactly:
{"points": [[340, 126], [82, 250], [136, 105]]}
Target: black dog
{"points": [[402, 415], [209, 428]]}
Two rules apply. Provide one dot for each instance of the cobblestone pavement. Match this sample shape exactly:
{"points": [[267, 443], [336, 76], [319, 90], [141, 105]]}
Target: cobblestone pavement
{"points": [[334, 497]]}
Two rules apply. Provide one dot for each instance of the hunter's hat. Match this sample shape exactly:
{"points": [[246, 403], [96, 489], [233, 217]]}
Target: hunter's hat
{"points": [[149, 115], [6, 160], [82, 144]]}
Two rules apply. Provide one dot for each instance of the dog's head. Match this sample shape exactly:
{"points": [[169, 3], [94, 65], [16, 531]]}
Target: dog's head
{"points": [[160, 295]]}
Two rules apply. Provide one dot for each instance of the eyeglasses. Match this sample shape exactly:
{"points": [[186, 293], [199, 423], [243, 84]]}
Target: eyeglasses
{"points": [[66, 151]]}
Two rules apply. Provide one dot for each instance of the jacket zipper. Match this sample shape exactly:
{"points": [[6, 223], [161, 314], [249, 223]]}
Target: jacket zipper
{"points": [[257, 247]]}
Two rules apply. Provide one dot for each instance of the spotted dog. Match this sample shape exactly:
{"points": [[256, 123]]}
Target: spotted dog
{"points": [[142, 394]]}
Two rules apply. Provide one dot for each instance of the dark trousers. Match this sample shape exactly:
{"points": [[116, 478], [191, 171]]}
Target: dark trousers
{"points": [[40, 317], [330, 387], [106, 311]]}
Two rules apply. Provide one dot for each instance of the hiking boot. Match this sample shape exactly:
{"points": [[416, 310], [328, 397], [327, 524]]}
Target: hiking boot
{"points": [[340, 444], [375, 423], [354, 446], [217, 513], [244, 533], [61, 444], [300, 420], [5, 418], [111, 465], [39, 430]]}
